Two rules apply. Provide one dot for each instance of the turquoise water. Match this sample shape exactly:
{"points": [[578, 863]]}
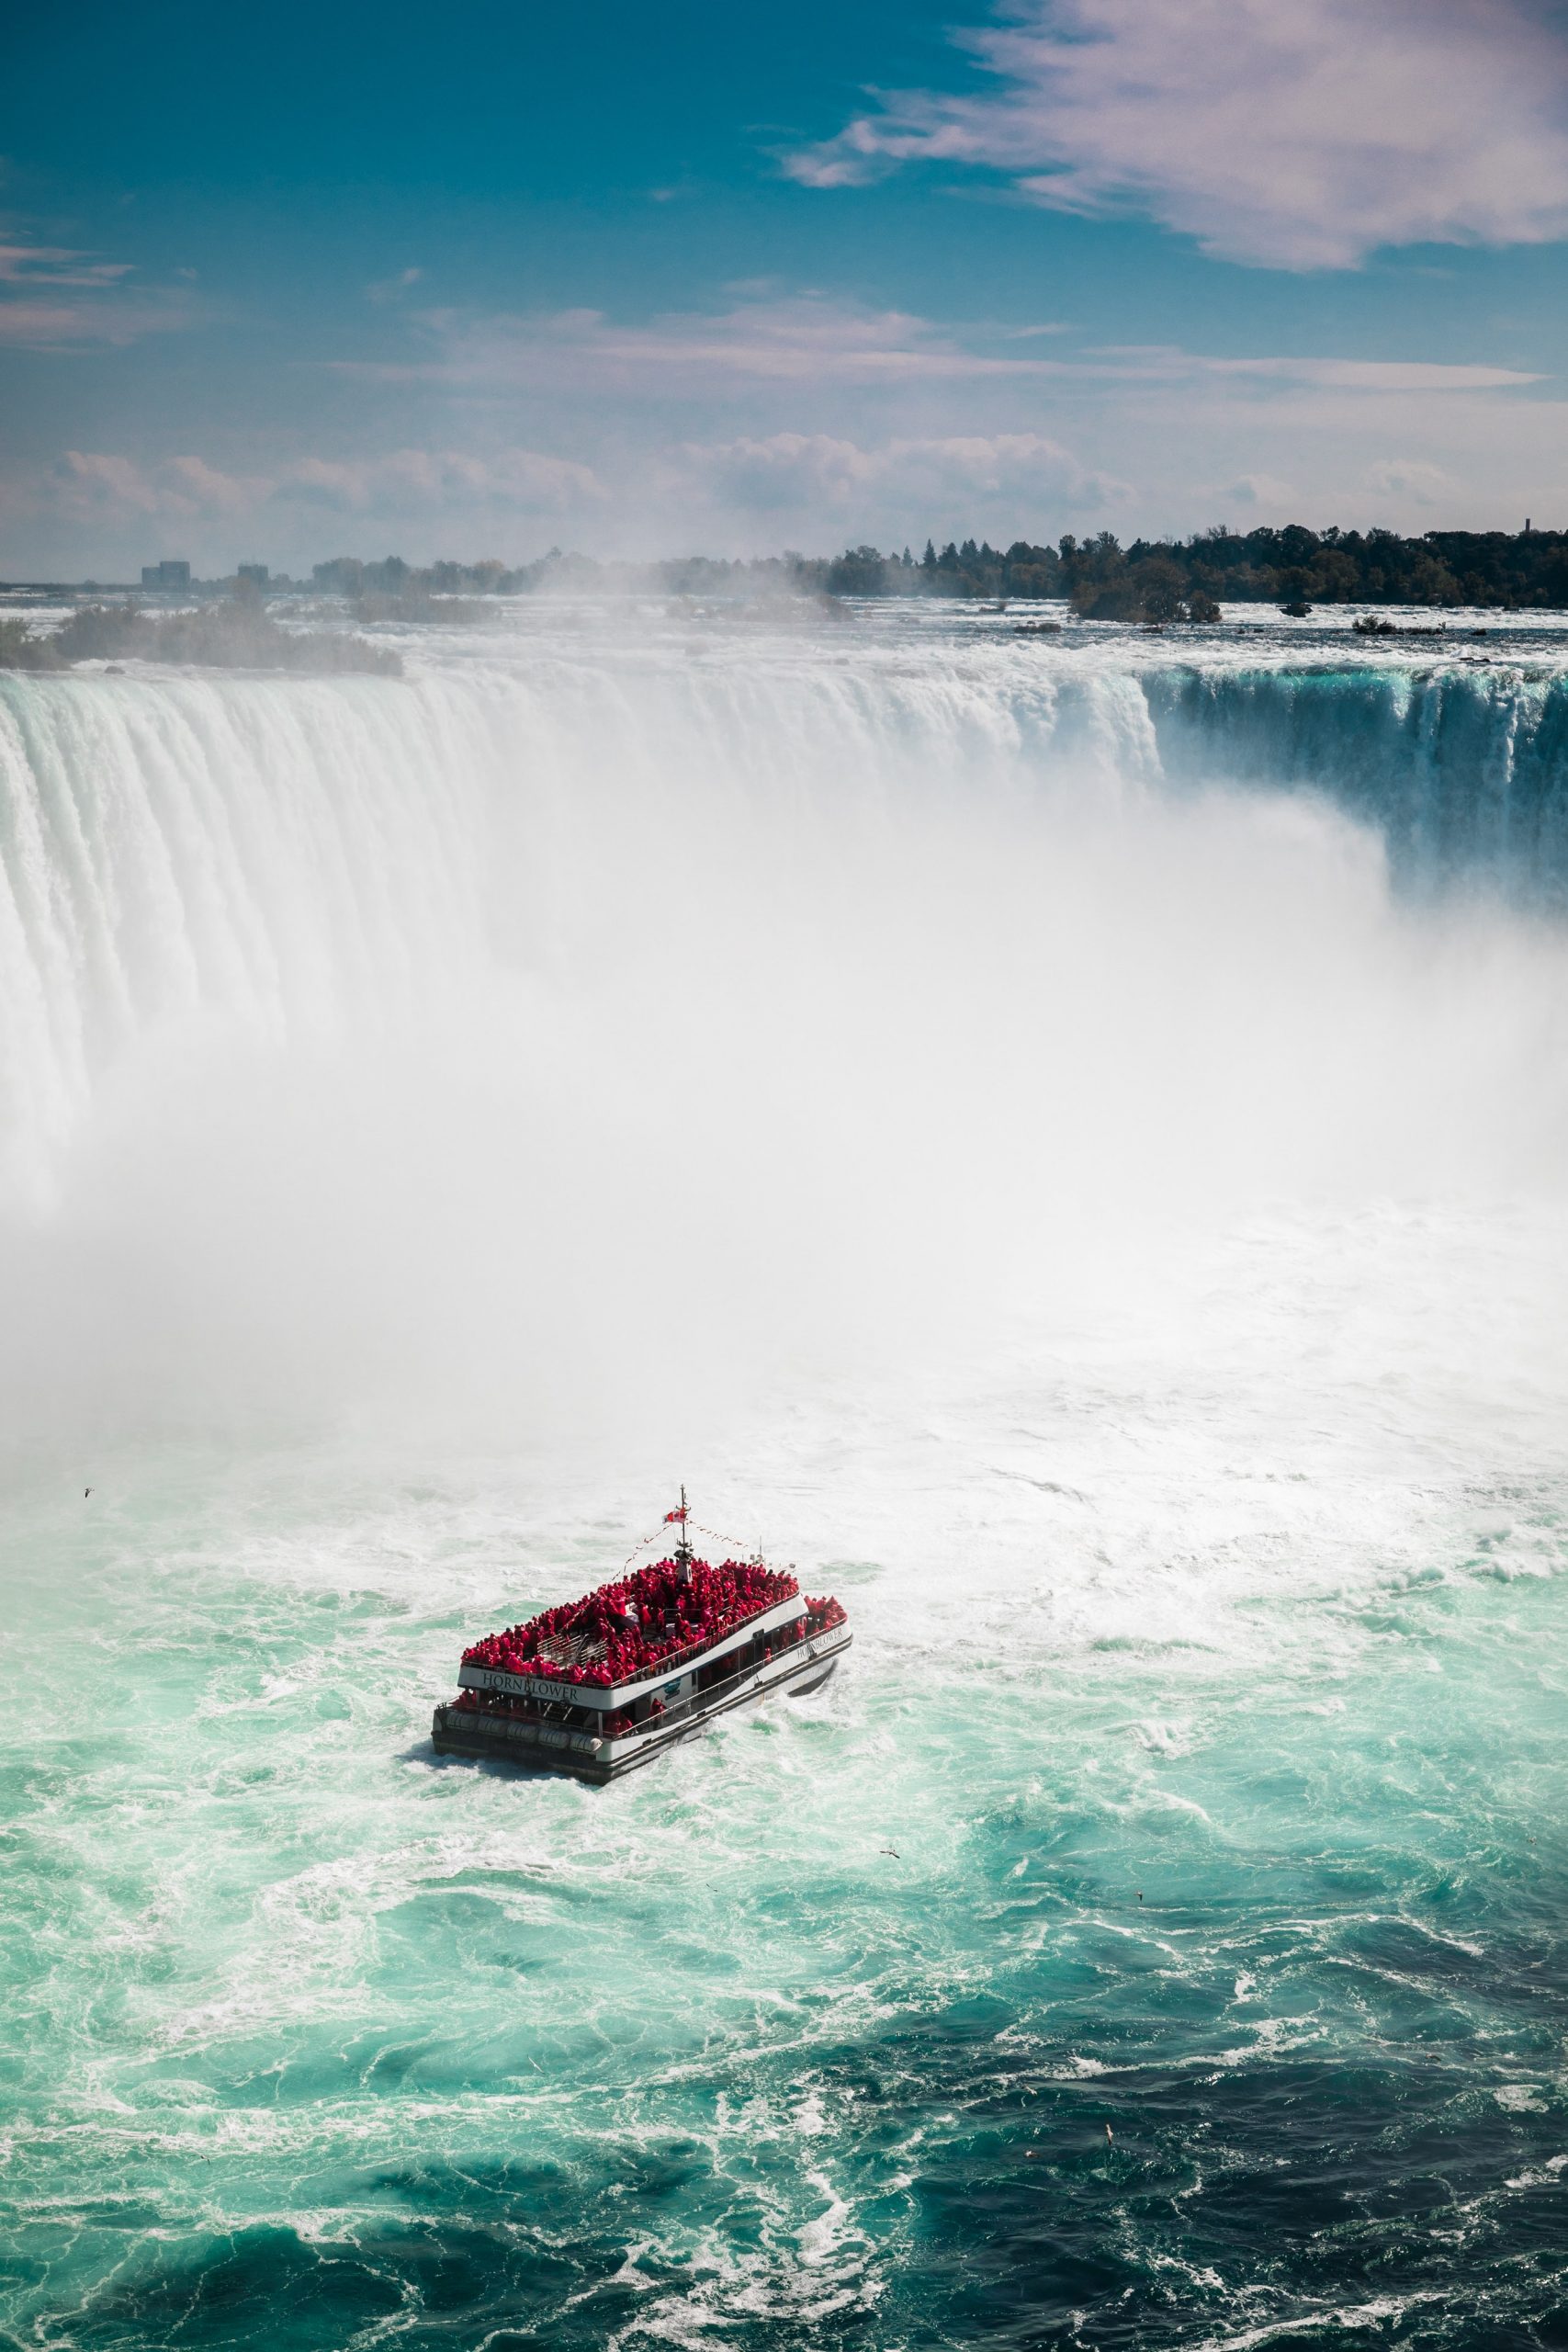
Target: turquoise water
{"points": [[1088, 1216], [1461, 765], [814, 2035]]}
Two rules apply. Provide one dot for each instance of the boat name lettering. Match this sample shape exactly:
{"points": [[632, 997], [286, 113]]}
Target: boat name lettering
{"points": [[528, 1686]]}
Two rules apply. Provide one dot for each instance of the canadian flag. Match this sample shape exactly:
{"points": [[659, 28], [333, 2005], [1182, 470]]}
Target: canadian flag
{"points": [[670, 1516]]}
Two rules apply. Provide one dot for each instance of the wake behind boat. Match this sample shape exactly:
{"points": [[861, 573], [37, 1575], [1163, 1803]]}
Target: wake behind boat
{"points": [[598, 1686]]}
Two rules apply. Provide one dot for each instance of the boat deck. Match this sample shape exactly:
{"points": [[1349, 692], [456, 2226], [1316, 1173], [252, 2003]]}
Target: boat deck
{"points": [[540, 1745]]}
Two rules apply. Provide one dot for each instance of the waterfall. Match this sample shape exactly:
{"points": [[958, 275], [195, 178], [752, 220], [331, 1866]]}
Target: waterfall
{"points": [[1464, 771], [283, 857], [613, 973]]}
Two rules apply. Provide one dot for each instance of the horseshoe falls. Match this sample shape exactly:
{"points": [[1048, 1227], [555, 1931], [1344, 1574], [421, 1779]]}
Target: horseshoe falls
{"points": [[1061, 1136]]}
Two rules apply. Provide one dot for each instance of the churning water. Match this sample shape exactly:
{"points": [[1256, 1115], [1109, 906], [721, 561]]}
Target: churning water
{"points": [[1064, 1138]]}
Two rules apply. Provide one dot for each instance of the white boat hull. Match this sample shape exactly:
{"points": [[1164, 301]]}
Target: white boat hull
{"points": [[557, 1747]]}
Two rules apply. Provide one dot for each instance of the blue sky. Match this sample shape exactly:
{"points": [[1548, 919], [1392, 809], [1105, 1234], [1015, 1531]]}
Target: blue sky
{"points": [[281, 284]]}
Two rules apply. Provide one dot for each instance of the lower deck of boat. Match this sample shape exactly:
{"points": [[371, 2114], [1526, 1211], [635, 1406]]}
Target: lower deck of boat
{"points": [[585, 1756]]}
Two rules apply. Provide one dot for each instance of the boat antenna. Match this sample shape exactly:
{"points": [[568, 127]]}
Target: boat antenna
{"points": [[683, 1548]]}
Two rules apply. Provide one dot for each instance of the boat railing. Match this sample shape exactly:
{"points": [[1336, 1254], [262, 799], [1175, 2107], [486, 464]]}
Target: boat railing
{"points": [[679, 1659], [551, 1711], [694, 1698], [659, 1668]]}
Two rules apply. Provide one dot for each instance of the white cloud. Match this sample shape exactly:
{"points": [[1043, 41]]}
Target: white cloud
{"points": [[88, 484], [814, 474], [1025, 466], [197, 488], [1293, 133], [1408, 480], [785, 470], [765, 461], [811, 486], [1256, 489], [404, 479]]}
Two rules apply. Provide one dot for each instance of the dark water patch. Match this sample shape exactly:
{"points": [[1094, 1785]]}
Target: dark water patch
{"points": [[1125, 2208], [253, 2285], [1240, 2184]]}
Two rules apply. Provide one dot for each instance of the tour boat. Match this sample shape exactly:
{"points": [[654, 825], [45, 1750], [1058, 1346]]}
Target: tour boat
{"points": [[598, 1686]]}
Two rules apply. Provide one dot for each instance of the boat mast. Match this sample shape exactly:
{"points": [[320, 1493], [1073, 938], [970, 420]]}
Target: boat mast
{"points": [[683, 1548]]}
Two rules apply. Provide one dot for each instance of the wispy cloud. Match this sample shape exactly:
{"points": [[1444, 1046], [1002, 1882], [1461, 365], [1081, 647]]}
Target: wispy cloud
{"points": [[1168, 364], [87, 484], [795, 338], [1295, 133], [392, 289], [56, 266], [53, 298], [793, 342]]}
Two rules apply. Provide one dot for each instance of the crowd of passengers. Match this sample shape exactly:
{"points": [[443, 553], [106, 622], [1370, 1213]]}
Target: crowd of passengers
{"points": [[629, 1628], [818, 1616]]}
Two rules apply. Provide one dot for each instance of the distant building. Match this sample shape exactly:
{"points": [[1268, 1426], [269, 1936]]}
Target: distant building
{"points": [[256, 573], [167, 574]]}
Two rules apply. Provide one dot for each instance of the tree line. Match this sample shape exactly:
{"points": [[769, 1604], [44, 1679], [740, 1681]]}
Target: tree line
{"points": [[1165, 580], [1151, 579]]}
